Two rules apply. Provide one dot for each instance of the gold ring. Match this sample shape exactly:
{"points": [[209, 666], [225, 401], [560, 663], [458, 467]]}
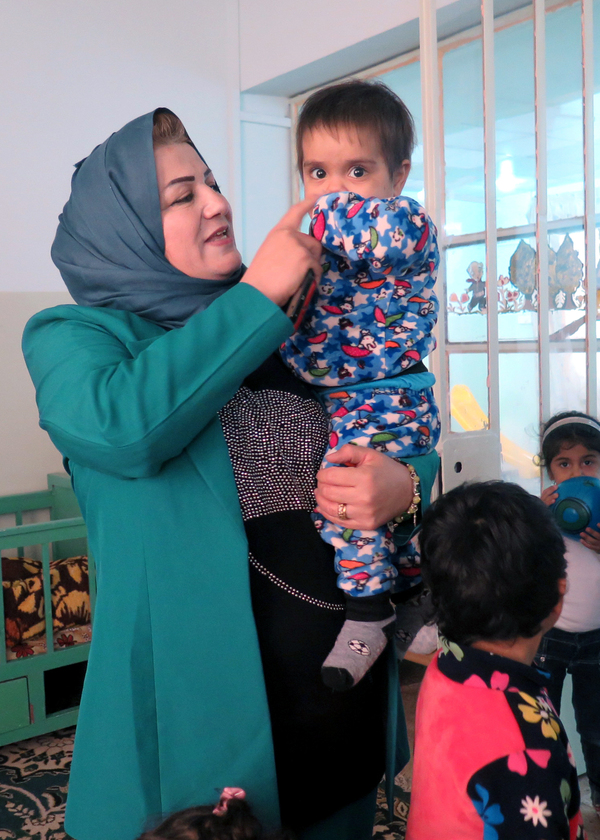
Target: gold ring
{"points": [[342, 511]]}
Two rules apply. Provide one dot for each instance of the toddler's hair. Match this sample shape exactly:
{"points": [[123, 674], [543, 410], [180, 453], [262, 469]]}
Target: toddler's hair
{"points": [[584, 430], [237, 822], [365, 105], [492, 557]]}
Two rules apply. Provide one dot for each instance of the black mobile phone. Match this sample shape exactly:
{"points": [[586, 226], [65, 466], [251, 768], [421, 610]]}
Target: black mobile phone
{"points": [[298, 303]]}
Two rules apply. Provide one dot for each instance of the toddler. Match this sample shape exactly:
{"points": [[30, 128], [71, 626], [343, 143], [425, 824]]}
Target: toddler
{"points": [[571, 447], [491, 756], [366, 332], [230, 819]]}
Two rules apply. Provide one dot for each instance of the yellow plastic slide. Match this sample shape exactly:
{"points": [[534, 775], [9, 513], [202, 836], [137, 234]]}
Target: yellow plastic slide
{"points": [[467, 411]]}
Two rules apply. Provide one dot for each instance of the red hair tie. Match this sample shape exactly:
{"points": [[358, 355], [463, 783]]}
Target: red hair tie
{"points": [[228, 793]]}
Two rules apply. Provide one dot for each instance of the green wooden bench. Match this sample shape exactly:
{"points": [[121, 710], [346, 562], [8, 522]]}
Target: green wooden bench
{"points": [[25, 710]]}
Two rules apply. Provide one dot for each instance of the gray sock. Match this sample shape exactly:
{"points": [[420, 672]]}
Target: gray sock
{"points": [[410, 617], [356, 649]]}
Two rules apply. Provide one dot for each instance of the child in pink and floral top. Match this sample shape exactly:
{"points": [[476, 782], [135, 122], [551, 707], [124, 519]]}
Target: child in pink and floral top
{"points": [[492, 760]]}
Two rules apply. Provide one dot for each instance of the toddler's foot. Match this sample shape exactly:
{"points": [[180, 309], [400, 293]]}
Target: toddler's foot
{"points": [[356, 649]]}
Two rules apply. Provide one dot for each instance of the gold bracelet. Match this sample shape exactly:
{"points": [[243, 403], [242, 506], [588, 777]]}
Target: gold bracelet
{"points": [[415, 503]]}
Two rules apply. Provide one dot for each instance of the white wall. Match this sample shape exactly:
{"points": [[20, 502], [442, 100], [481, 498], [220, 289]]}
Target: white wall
{"points": [[73, 72], [277, 38], [287, 48]]}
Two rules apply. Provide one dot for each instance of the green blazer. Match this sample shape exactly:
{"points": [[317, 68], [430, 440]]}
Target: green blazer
{"points": [[174, 705]]}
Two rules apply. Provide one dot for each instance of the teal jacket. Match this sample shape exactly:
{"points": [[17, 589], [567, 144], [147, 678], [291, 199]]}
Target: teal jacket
{"points": [[174, 705]]}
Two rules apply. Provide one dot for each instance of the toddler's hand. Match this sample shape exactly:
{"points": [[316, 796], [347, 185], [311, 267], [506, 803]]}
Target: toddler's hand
{"points": [[591, 539], [550, 495]]}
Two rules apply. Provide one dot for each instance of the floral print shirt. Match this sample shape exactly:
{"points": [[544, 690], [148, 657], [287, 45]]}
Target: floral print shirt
{"points": [[492, 759]]}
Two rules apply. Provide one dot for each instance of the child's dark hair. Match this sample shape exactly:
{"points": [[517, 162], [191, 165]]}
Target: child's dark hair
{"points": [[492, 556], [584, 430], [201, 823], [367, 105]]}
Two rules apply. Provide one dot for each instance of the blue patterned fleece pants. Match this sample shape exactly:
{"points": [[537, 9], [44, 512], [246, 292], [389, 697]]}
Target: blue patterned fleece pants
{"points": [[400, 422]]}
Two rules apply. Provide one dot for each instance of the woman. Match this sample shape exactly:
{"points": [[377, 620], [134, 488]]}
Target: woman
{"points": [[201, 674]]}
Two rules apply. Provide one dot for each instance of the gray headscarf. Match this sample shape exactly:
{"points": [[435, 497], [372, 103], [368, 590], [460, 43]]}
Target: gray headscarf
{"points": [[109, 246]]}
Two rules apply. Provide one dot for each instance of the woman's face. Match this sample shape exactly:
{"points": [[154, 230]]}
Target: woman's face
{"points": [[196, 218]]}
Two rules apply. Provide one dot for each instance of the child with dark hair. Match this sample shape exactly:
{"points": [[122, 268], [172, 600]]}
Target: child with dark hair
{"points": [[364, 337], [570, 447], [230, 819], [491, 757]]}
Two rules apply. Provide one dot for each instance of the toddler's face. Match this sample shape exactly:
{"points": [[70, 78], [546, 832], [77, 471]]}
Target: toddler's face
{"points": [[573, 462], [348, 160]]}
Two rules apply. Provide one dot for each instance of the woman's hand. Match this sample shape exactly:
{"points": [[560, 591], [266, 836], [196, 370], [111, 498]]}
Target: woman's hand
{"points": [[375, 488], [282, 261], [550, 495]]}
